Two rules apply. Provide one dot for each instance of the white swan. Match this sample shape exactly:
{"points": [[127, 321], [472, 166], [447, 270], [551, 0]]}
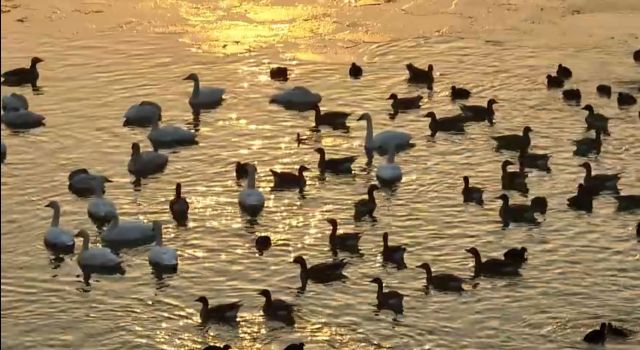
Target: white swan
{"points": [[143, 164], [385, 140], [203, 97], [169, 136], [128, 233], [159, 255], [97, 258], [142, 114], [101, 210], [56, 238], [22, 119], [299, 98], [390, 172], [251, 200], [14, 102]]}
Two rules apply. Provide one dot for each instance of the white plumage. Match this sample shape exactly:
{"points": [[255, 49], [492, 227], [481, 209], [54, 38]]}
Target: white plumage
{"points": [[298, 98], [251, 200], [390, 172], [101, 210], [169, 135], [204, 97], [384, 141], [160, 255], [128, 232], [96, 257], [143, 114], [57, 238]]}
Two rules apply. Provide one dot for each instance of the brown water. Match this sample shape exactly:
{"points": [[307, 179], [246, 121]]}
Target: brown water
{"points": [[583, 268]]}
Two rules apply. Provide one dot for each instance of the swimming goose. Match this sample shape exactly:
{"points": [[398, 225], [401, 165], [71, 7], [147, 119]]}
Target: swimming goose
{"points": [[447, 124], [383, 141], [216, 347], [459, 93], [514, 142], [143, 114], [298, 99], [3, 151], [203, 97], [600, 182], [22, 76], [554, 82], [421, 76], [477, 113], [572, 95], [619, 331], [393, 253], [564, 72], [284, 180], [389, 173], [336, 120], [583, 200], [279, 73], [179, 207], [97, 260], [628, 202], [389, 300], [14, 102], [262, 243], [596, 121], [516, 212], [514, 180], [471, 194], [530, 160], [241, 171], [445, 282], [340, 165], [169, 136], [516, 255], [604, 90], [23, 119], [161, 257], [128, 234], [147, 163], [366, 206], [585, 146], [57, 239], [355, 71], [404, 103], [251, 200], [277, 309], [492, 267], [320, 273], [83, 184], [218, 313], [101, 210], [597, 336], [345, 241], [295, 346], [626, 99]]}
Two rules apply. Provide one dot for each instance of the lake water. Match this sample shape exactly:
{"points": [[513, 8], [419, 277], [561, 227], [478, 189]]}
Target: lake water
{"points": [[583, 268]]}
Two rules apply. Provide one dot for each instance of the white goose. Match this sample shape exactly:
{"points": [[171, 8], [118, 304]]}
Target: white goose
{"points": [[390, 172], [101, 210], [203, 97], [299, 98], [168, 136], [22, 119], [159, 255], [127, 234], [101, 259], [14, 102], [57, 239], [385, 140], [251, 200], [143, 164], [142, 114]]}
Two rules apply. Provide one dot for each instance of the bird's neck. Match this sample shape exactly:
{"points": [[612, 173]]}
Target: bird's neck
{"points": [[371, 196], [55, 219], [251, 180], [196, 88], [85, 243], [368, 139]]}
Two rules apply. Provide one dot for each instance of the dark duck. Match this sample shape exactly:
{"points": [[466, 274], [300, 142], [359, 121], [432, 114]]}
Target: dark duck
{"points": [[320, 273], [340, 165], [448, 124], [420, 76], [572, 95], [216, 347], [22, 76], [366, 206], [564, 72], [389, 300], [459, 93], [492, 267], [444, 282], [520, 213], [597, 336], [393, 254], [399, 104], [335, 120], [554, 82], [587, 145], [604, 90], [596, 121], [224, 313], [600, 182], [539, 161], [514, 180], [582, 201], [286, 180], [295, 346], [179, 207], [626, 99], [279, 73], [516, 256], [83, 184], [514, 142], [262, 244], [477, 113], [277, 309], [471, 194], [628, 202], [242, 171], [344, 241], [355, 71], [618, 331]]}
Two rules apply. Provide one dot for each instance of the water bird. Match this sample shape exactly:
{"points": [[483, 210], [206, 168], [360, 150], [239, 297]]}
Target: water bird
{"points": [[420, 76], [216, 347], [626, 99], [459, 93], [604, 90], [251, 200], [335, 120], [383, 141], [241, 171], [14, 102], [262, 244], [619, 331], [516, 255], [162, 257], [23, 119], [147, 163], [22, 76], [129, 234], [82, 183], [514, 180], [223, 313], [341, 165], [518, 212], [514, 142], [564, 72], [203, 97], [57, 239], [586, 146], [404, 103], [627, 202], [366, 206], [597, 336], [492, 267], [554, 82], [636, 55], [277, 309], [343, 241], [97, 260], [445, 282], [572, 95], [279, 73], [320, 273], [530, 160], [596, 121], [143, 114], [471, 194], [295, 346], [447, 124], [3, 151], [170, 136], [600, 182], [285, 180], [355, 71], [298, 99], [179, 207], [478, 113], [389, 300], [393, 253], [101, 210], [583, 200], [389, 173]]}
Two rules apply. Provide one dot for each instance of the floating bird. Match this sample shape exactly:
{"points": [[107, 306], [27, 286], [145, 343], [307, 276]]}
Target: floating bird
{"points": [[284, 180], [420, 76], [83, 184], [514, 180], [101, 210], [383, 141], [277, 309], [597, 336], [471, 194], [389, 173], [22, 76], [626, 99], [404, 103], [572, 95], [636, 55], [170, 136], [586, 146], [179, 207], [298, 99], [516, 212], [389, 300], [604, 90], [203, 97], [514, 142], [222, 313], [3, 151], [564, 72], [477, 113], [340, 165], [600, 182], [97, 260], [516, 255], [344, 241], [583, 200], [628, 202], [320, 273], [335, 120], [492, 267], [355, 71], [295, 346], [14, 102], [366, 206], [447, 124], [161, 257], [459, 93], [147, 163], [241, 171], [393, 253], [250, 199], [596, 121], [57, 239], [23, 120], [129, 234], [618, 331], [538, 161], [263, 243], [445, 282], [279, 73], [554, 82], [216, 347], [143, 114]]}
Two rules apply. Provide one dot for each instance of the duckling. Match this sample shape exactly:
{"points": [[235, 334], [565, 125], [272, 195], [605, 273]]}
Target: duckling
{"points": [[586, 146], [355, 71], [216, 347], [336, 120], [421, 76], [572, 95], [628, 202], [179, 207], [514, 180], [516, 212], [279, 73], [583, 200], [618, 331], [218, 313], [514, 142], [263, 243], [516, 256], [389, 300], [445, 282], [471, 194], [404, 103], [554, 82], [344, 241], [241, 171], [626, 99], [284, 180], [295, 346], [450, 124], [477, 113], [600, 182], [596, 121], [393, 253], [340, 165], [320, 273], [604, 90], [597, 336], [366, 206], [564, 72], [459, 93], [492, 267], [538, 161], [22, 76], [277, 309]]}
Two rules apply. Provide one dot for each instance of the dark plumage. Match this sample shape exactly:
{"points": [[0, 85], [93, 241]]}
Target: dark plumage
{"points": [[445, 282], [518, 212], [514, 180], [218, 313], [404, 103], [340, 165], [279, 73], [600, 182], [84, 184], [516, 255], [564, 72], [389, 300], [572, 95], [554, 82], [618, 331], [596, 121], [355, 71], [628, 202], [585, 146], [492, 267], [366, 206], [514, 142], [22, 76], [344, 241], [420, 76], [277, 309], [459, 93], [216, 347], [179, 207], [583, 200], [597, 336], [450, 124], [241, 170], [604, 90], [393, 253], [283, 180], [477, 113], [538, 161], [636, 55], [471, 194], [295, 346], [336, 120], [626, 99], [320, 273], [262, 243]]}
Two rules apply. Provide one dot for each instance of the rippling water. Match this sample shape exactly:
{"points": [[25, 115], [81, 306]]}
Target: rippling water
{"points": [[583, 268]]}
